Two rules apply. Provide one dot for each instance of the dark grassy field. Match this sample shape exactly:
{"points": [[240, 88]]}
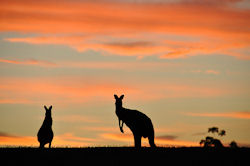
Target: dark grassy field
{"points": [[125, 156]]}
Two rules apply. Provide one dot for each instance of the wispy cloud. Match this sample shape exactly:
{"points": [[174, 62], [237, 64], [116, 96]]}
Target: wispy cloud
{"points": [[14, 101], [4, 134], [81, 44], [209, 71], [126, 66], [29, 62], [170, 49], [66, 139], [62, 90], [163, 141], [101, 129], [237, 115], [115, 65], [82, 90], [77, 118], [226, 26], [199, 134], [72, 140], [18, 141], [212, 72], [167, 137], [132, 17]]}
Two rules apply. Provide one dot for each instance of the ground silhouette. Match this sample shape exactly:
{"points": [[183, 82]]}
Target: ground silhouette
{"points": [[139, 123], [125, 156], [45, 134]]}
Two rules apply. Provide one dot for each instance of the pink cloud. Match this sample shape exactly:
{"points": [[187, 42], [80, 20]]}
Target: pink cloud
{"points": [[224, 31], [81, 90], [77, 118], [29, 62], [66, 139], [159, 141], [237, 115], [212, 72]]}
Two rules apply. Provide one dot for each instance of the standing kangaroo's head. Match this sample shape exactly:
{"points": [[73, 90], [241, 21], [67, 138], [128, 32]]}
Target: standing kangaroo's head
{"points": [[48, 111], [118, 101]]}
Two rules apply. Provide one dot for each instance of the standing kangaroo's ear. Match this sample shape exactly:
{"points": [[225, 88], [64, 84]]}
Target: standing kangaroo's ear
{"points": [[45, 107], [116, 97], [121, 96], [50, 107]]}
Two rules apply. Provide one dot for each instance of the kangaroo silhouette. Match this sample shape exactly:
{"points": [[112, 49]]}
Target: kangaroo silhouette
{"points": [[139, 123], [45, 134]]}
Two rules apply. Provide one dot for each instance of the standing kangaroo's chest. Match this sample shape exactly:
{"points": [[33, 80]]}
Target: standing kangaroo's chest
{"points": [[121, 113], [47, 123]]}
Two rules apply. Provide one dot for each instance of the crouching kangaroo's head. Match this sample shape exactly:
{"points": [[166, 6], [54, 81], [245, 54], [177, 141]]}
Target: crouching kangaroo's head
{"points": [[118, 101], [48, 111]]}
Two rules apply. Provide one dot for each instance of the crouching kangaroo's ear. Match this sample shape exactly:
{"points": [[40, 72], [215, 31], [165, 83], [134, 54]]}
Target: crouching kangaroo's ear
{"points": [[121, 96], [50, 107], [116, 97], [45, 107]]}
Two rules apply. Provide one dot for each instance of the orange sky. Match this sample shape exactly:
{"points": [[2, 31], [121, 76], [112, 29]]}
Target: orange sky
{"points": [[218, 26], [184, 63]]}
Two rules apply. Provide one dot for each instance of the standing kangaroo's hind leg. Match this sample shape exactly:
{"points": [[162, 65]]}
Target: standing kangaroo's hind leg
{"points": [[137, 139], [42, 145], [50, 145], [151, 141]]}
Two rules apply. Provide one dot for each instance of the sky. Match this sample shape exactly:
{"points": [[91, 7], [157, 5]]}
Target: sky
{"points": [[184, 63]]}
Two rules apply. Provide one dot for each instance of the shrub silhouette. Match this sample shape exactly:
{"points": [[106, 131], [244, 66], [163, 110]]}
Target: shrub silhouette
{"points": [[222, 133], [139, 123], [233, 144], [45, 133]]}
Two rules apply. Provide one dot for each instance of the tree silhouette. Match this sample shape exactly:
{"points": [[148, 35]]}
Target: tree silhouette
{"points": [[211, 141], [222, 133], [202, 142], [213, 129], [207, 142]]}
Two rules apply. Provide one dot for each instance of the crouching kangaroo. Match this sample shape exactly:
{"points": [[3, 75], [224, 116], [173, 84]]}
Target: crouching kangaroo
{"points": [[139, 123], [45, 133]]}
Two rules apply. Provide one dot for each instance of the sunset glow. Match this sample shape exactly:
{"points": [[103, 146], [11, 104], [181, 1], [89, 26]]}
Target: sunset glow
{"points": [[184, 63]]}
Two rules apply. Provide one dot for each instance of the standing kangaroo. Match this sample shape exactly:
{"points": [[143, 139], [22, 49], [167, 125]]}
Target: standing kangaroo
{"points": [[45, 133], [139, 123]]}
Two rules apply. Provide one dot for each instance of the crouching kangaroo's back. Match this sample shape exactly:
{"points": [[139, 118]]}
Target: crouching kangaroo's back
{"points": [[45, 134], [140, 124]]}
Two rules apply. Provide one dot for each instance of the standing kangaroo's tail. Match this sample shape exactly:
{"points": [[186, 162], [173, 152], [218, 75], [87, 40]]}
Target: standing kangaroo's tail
{"points": [[151, 140], [151, 137]]}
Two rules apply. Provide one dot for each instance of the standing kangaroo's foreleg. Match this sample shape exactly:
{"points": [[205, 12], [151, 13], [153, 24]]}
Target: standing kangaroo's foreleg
{"points": [[121, 125]]}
